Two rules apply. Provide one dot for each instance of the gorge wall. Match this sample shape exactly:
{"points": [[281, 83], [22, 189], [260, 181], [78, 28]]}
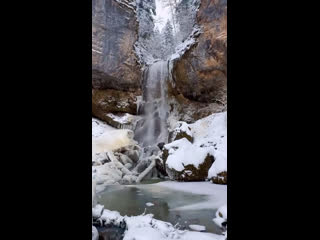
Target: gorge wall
{"points": [[200, 75], [116, 72]]}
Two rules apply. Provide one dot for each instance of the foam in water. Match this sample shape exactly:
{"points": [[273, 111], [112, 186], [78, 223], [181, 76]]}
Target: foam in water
{"points": [[152, 128]]}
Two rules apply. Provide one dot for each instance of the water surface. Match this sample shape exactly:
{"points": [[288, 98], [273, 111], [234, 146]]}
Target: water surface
{"points": [[131, 201]]}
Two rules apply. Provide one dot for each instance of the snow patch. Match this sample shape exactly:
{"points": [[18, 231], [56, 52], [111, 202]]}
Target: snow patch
{"points": [[198, 228]]}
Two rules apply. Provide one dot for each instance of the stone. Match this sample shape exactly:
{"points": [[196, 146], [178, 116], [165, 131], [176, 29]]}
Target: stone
{"points": [[221, 178]]}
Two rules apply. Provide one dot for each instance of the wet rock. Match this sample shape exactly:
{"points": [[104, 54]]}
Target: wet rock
{"points": [[190, 172], [221, 178], [160, 145]]}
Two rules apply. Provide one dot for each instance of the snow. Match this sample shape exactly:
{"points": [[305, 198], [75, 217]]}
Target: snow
{"points": [[223, 211], [211, 132], [124, 119], [221, 215], [145, 227], [106, 138], [210, 137], [182, 152], [97, 211], [149, 204], [198, 228], [186, 45], [95, 234]]}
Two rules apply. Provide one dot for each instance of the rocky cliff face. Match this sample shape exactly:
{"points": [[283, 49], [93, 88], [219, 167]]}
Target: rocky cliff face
{"points": [[114, 32], [200, 75], [116, 73]]}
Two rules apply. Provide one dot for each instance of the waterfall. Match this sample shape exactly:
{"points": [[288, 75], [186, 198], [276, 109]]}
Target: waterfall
{"points": [[152, 128]]}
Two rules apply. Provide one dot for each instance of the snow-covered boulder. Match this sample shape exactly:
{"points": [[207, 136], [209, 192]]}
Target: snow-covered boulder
{"points": [[187, 162], [221, 217], [205, 158]]}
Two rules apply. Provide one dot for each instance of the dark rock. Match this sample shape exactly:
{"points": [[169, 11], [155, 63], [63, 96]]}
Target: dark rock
{"points": [[220, 179], [110, 232], [161, 167], [160, 145]]}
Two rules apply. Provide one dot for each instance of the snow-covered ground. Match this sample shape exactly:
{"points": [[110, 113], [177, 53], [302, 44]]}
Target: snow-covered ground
{"points": [[145, 227]]}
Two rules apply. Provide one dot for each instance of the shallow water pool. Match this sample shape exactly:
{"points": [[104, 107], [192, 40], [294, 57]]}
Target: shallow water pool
{"points": [[131, 201]]}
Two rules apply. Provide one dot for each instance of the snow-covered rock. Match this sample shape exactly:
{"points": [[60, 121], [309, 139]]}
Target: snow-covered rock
{"points": [[97, 211], [182, 130], [206, 157], [221, 217], [145, 227]]}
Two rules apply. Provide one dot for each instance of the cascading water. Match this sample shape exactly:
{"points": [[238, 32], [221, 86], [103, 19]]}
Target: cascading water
{"points": [[152, 128]]}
